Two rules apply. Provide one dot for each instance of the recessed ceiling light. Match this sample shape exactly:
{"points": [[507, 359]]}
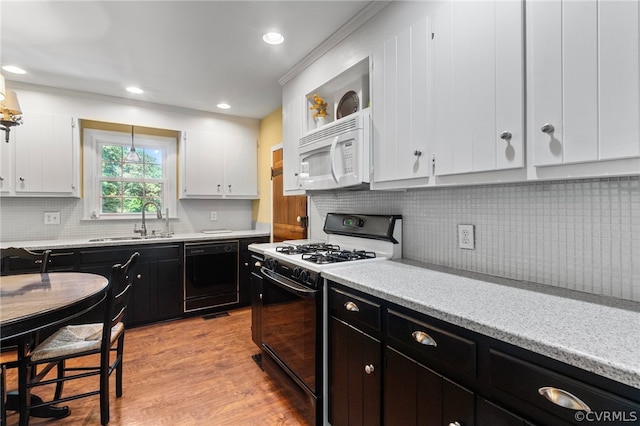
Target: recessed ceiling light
{"points": [[273, 38], [13, 69], [136, 90], [223, 106]]}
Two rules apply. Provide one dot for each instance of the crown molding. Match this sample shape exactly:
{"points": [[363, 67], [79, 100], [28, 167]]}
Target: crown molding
{"points": [[343, 32]]}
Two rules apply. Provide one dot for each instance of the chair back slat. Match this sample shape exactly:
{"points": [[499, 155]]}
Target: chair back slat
{"points": [[20, 260], [117, 296]]}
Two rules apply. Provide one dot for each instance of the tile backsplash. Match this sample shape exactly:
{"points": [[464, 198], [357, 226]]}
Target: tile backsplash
{"points": [[577, 234], [21, 219]]}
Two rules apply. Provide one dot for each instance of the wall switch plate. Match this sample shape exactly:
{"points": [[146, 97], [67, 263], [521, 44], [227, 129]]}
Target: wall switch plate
{"points": [[466, 237], [214, 216], [52, 218]]}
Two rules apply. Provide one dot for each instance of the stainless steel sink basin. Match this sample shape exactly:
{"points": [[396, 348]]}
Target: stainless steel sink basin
{"points": [[134, 238], [95, 240]]}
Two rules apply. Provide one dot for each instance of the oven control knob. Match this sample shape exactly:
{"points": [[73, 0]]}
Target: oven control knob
{"points": [[271, 263], [304, 275], [296, 272]]}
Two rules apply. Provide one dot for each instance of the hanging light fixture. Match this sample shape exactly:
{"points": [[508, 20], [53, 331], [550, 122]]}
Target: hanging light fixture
{"points": [[10, 112], [132, 156]]}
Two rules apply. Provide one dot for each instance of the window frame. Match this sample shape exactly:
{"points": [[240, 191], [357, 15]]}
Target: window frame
{"points": [[94, 139]]}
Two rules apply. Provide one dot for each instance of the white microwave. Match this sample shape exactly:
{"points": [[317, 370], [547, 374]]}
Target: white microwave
{"points": [[337, 155]]}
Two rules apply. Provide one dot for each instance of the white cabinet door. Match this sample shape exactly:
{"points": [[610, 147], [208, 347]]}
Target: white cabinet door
{"points": [[46, 158], [241, 167], [583, 73], [218, 166], [202, 159], [6, 176], [292, 122], [400, 108], [478, 100]]}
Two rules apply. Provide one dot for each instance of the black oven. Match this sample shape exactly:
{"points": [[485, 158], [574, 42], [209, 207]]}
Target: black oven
{"points": [[210, 274], [292, 335]]}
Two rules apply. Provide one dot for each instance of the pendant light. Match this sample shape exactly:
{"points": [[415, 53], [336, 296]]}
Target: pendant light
{"points": [[132, 156]]}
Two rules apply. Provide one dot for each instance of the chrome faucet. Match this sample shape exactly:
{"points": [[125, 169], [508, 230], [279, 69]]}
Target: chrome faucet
{"points": [[143, 230]]}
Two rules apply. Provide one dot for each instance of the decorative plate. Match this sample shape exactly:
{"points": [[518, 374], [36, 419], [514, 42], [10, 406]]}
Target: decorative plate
{"points": [[348, 104]]}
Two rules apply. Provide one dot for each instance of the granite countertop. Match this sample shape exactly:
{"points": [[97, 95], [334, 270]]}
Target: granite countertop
{"points": [[84, 241], [594, 333]]}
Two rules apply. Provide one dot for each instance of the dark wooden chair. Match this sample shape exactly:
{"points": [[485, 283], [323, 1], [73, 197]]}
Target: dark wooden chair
{"points": [[25, 261], [78, 341]]}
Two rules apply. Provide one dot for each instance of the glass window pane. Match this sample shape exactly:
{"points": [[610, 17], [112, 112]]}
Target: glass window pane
{"points": [[111, 205], [111, 189], [132, 170], [153, 172], [111, 169], [112, 153], [153, 190], [132, 205], [153, 156], [133, 189]]}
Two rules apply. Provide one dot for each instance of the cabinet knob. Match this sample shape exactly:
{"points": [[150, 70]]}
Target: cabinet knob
{"points": [[246, 263], [1, 178], [257, 264], [229, 187], [563, 398], [260, 296], [369, 369], [505, 135], [351, 307], [21, 179], [139, 276], [547, 128], [455, 424], [423, 338], [417, 153]]}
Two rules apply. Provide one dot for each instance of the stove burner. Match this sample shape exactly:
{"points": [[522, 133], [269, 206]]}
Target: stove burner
{"points": [[307, 248], [334, 256]]}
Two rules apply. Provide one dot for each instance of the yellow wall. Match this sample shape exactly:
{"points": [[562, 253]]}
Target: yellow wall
{"points": [[270, 134]]}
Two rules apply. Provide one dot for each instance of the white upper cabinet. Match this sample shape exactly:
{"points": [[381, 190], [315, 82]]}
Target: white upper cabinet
{"points": [[400, 109], [46, 154], [583, 73], [215, 165], [478, 89], [6, 177]]}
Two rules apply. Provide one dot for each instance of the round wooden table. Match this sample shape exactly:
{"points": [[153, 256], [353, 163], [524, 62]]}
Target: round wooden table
{"points": [[33, 302]]}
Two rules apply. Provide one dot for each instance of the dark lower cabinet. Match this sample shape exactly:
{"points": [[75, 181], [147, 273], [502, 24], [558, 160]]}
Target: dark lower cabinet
{"points": [[416, 395], [157, 278], [355, 376], [491, 415], [245, 268]]}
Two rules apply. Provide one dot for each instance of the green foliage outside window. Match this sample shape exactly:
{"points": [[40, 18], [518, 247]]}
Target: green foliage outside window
{"points": [[126, 186]]}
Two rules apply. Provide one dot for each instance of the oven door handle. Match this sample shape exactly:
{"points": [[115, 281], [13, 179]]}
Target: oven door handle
{"points": [[289, 285]]}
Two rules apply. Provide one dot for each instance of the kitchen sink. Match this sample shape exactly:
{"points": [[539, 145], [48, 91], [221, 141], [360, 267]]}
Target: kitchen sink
{"points": [[135, 238]]}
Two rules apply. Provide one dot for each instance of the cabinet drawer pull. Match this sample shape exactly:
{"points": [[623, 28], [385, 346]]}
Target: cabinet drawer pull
{"points": [[351, 307], [369, 369], [423, 338], [505, 135], [547, 128], [563, 398]]}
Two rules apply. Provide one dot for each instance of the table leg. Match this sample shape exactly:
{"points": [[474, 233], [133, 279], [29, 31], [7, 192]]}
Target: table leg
{"points": [[13, 404]]}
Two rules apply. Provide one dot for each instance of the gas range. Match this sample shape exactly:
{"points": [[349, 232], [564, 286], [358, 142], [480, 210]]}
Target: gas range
{"points": [[350, 237]]}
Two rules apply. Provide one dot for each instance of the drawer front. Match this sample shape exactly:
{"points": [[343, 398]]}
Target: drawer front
{"points": [[122, 254], [432, 344], [524, 380], [355, 310]]}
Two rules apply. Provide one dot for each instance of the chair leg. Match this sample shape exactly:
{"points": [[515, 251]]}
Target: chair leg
{"points": [[119, 367], [59, 385], [25, 372], [3, 392]]}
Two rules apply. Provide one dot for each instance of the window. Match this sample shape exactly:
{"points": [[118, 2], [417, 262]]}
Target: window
{"points": [[116, 188]]}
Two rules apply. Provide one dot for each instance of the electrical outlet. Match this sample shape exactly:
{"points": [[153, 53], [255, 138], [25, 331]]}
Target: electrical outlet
{"points": [[52, 218], [214, 216], [466, 237]]}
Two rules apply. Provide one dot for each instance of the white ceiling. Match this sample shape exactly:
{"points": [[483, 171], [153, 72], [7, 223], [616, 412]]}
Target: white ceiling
{"points": [[190, 54]]}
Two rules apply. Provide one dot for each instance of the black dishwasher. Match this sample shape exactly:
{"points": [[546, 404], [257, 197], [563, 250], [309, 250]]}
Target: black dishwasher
{"points": [[210, 274]]}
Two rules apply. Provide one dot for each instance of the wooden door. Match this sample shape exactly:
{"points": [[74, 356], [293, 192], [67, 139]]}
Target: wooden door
{"points": [[289, 212]]}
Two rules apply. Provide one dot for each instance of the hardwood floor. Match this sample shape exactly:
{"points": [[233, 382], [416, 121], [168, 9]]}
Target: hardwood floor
{"points": [[186, 372]]}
